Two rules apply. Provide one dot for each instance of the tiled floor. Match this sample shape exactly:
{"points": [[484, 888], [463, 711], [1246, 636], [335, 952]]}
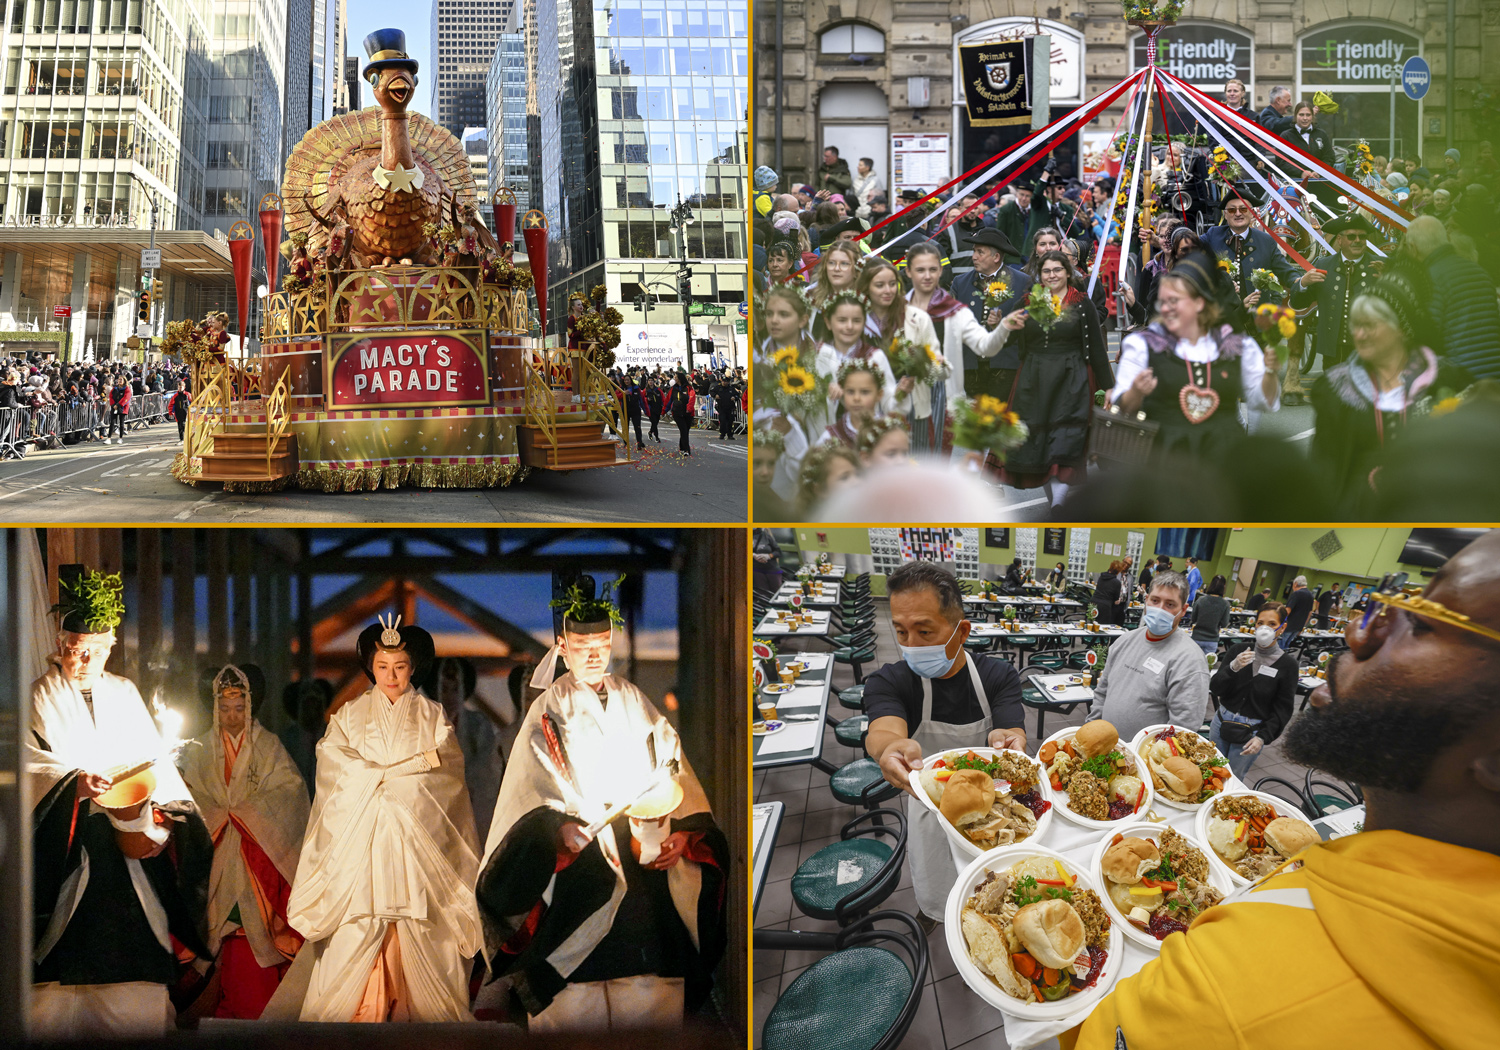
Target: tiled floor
{"points": [[950, 1015]]}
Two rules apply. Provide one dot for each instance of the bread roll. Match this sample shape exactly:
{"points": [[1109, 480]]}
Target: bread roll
{"points": [[1289, 836], [969, 796], [987, 947], [1095, 738], [1130, 858], [1052, 932], [1182, 775]]}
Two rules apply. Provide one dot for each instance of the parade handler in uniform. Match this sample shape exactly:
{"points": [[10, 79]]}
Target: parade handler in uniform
{"points": [[120, 856], [604, 879], [937, 699], [255, 804], [384, 884]]}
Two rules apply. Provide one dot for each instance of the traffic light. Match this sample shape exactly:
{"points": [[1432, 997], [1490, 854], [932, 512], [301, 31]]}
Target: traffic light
{"points": [[640, 301], [143, 313], [685, 289]]}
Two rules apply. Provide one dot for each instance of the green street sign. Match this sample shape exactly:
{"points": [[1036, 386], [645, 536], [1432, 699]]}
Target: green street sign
{"points": [[699, 309], [740, 327]]}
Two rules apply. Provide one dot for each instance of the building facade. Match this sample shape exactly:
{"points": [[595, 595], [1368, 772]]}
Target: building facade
{"points": [[877, 78], [104, 129], [508, 149], [645, 108], [464, 36], [477, 149]]}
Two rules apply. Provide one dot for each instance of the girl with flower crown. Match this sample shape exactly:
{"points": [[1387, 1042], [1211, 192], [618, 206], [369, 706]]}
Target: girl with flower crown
{"points": [[860, 391], [846, 313], [784, 313], [1062, 360], [883, 442], [891, 318], [960, 338], [826, 470], [836, 272]]}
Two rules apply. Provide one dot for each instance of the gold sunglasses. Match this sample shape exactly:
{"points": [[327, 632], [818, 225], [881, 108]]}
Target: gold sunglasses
{"points": [[1428, 609]]}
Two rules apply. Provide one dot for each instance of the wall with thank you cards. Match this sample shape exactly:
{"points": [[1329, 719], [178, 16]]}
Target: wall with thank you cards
{"points": [[1324, 555]]}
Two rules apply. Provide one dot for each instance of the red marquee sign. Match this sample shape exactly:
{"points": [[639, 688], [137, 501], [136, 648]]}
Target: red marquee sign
{"points": [[407, 370]]}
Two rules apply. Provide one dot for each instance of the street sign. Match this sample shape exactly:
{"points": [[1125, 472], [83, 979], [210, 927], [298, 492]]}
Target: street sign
{"points": [[701, 309], [744, 309], [143, 331], [741, 327], [1416, 77], [62, 311], [151, 258]]}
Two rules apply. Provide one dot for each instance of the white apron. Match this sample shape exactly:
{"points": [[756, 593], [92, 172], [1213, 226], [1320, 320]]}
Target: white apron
{"points": [[932, 870]]}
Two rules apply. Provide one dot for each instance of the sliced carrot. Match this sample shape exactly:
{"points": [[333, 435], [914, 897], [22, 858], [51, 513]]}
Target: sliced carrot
{"points": [[1049, 977], [1117, 839], [1216, 784], [1025, 964], [1068, 747], [1221, 771], [1048, 752]]}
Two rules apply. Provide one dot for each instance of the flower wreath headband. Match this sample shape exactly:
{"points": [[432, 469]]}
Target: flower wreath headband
{"points": [[770, 439], [798, 290], [848, 295], [848, 368], [872, 432]]}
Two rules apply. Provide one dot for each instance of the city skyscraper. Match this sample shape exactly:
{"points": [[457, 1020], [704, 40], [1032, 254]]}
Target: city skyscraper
{"points": [[464, 35], [505, 98], [645, 107]]}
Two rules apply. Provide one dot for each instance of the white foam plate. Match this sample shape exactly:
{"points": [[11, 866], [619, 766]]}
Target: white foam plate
{"points": [[1205, 812], [980, 982], [954, 835], [1145, 829], [1235, 783], [1060, 798]]}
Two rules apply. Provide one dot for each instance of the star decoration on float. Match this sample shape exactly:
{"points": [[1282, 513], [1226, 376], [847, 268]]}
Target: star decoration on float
{"points": [[398, 178], [534, 220]]}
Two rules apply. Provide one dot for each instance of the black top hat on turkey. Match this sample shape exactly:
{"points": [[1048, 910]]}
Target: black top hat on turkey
{"points": [[90, 603], [584, 615], [387, 47], [391, 637]]}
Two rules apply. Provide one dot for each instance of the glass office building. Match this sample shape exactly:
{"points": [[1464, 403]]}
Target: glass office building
{"points": [[646, 104], [505, 102]]}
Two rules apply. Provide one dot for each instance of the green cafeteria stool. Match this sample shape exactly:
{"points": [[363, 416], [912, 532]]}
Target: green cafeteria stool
{"points": [[847, 878], [860, 783], [853, 698], [862, 996], [851, 731]]}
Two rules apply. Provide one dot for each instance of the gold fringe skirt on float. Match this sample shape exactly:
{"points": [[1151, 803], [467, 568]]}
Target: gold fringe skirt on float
{"points": [[370, 479]]}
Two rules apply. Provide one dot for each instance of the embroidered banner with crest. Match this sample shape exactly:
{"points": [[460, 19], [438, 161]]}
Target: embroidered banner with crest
{"points": [[996, 88]]}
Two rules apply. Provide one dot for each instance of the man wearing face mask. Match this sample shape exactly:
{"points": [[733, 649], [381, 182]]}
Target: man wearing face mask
{"points": [[1408, 713], [1155, 673], [936, 699]]}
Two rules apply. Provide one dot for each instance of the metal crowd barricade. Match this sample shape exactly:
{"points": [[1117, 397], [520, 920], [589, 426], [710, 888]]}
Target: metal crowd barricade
{"points": [[12, 433]]}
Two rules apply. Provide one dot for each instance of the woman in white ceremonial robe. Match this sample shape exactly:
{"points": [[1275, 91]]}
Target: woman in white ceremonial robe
{"points": [[385, 884], [255, 804]]}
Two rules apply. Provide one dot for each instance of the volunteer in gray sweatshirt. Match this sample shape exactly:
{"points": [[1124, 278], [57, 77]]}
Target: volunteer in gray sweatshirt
{"points": [[1155, 673]]}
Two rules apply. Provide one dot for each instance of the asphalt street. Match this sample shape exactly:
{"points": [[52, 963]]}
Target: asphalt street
{"points": [[132, 483]]}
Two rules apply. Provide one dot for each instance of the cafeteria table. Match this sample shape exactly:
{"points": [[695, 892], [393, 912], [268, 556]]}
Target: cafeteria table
{"points": [[1040, 695], [765, 823], [817, 626], [833, 572], [1343, 822], [822, 594], [801, 742]]}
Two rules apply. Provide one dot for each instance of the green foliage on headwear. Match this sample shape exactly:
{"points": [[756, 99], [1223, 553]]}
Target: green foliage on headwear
{"points": [[96, 598], [577, 607]]}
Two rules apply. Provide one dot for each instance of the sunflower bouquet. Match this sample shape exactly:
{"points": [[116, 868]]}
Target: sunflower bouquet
{"points": [[1044, 307], [1221, 168], [792, 383], [995, 295], [918, 361], [1231, 269], [985, 422], [1267, 284]]}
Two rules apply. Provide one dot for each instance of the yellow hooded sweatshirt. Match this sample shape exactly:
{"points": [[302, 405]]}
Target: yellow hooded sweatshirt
{"points": [[1378, 940]]}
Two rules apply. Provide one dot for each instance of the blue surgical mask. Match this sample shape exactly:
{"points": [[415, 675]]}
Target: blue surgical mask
{"points": [[1157, 621], [929, 661]]}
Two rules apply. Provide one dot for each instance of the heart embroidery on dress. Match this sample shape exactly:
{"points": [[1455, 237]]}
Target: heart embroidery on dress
{"points": [[1198, 403]]}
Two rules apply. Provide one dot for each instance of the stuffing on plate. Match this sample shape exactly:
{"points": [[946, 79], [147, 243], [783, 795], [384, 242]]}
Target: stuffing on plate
{"points": [[1160, 886], [991, 800], [1101, 781]]}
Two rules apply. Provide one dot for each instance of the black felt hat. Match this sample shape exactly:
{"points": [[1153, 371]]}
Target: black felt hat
{"points": [[392, 637], [992, 238], [1351, 221]]}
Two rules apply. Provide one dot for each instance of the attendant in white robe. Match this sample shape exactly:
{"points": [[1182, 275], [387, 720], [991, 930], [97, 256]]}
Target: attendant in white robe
{"points": [[119, 917], [255, 804], [452, 683], [384, 889], [601, 931]]}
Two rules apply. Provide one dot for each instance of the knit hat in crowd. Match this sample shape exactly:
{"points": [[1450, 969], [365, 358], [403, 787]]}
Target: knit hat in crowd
{"points": [[765, 178]]}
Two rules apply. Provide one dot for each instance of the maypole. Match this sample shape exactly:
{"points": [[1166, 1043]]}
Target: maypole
{"points": [[1151, 19]]}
